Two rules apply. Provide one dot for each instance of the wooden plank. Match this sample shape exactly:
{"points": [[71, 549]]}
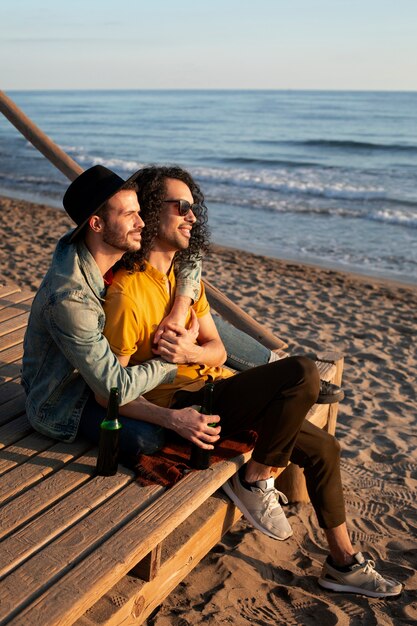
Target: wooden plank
{"points": [[36, 468], [57, 519], [11, 368], [11, 355], [11, 339], [337, 379], [12, 409], [14, 323], [10, 390], [148, 567], [20, 302], [20, 452], [131, 601], [47, 492], [70, 549], [327, 370], [318, 415], [67, 600], [7, 289], [14, 430]]}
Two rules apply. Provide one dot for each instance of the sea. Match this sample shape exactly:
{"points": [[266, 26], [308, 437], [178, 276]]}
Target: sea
{"points": [[321, 177]]}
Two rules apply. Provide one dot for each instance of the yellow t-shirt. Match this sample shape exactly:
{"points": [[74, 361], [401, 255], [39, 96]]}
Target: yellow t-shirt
{"points": [[135, 305]]}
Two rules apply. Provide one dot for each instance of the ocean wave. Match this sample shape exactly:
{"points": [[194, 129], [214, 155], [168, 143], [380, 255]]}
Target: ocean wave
{"points": [[314, 190], [268, 162], [405, 217], [341, 144], [284, 181], [114, 164], [359, 145], [395, 217]]}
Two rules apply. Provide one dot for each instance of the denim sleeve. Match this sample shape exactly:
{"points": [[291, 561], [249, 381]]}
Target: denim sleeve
{"points": [[188, 275], [75, 327]]}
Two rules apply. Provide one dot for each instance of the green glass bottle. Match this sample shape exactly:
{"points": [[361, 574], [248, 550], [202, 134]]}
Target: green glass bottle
{"points": [[200, 458], [108, 447]]}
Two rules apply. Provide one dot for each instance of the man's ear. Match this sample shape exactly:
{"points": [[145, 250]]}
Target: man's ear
{"points": [[95, 223]]}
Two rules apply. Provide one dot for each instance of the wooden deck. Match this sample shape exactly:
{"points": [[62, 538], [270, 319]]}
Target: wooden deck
{"points": [[92, 550]]}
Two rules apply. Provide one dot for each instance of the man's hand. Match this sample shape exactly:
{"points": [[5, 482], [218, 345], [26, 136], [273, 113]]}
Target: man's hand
{"points": [[176, 316], [194, 426], [177, 344]]}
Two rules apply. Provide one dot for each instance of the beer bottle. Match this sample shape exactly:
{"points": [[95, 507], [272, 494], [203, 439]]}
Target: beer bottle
{"points": [[108, 447], [200, 458]]}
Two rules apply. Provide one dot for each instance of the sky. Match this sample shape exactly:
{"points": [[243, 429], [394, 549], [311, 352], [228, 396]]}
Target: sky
{"points": [[215, 44]]}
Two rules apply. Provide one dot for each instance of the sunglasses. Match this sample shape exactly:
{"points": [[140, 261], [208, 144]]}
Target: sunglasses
{"points": [[183, 207]]}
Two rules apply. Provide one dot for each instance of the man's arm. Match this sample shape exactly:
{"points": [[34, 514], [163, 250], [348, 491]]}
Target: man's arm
{"points": [[188, 422], [188, 277], [74, 327], [178, 344]]}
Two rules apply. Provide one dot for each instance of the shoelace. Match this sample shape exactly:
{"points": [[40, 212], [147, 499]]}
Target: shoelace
{"points": [[326, 386], [272, 496], [369, 569]]}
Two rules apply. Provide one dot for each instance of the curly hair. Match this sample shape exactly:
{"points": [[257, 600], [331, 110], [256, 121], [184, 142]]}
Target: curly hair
{"points": [[151, 194]]}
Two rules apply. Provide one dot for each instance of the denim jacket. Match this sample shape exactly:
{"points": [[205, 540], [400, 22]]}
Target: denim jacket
{"points": [[65, 353]]}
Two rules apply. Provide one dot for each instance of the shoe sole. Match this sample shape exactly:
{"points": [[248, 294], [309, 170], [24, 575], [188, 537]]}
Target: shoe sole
{"points": [[325, 584], [331, 398], [231, 494]]}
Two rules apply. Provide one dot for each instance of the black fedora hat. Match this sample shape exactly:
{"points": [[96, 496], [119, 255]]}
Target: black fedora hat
{"points": [[89, 191]]}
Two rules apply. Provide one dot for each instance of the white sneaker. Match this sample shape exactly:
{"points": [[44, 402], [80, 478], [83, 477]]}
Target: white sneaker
{"points": [[361, 578], [260, 506]]}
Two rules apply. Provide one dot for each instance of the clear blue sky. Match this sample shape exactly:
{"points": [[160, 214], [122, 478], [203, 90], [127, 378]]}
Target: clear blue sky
{"points": [[247, 44]]}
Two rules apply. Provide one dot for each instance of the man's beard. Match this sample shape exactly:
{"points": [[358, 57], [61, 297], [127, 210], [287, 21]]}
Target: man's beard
{"points": [[121, 242]]}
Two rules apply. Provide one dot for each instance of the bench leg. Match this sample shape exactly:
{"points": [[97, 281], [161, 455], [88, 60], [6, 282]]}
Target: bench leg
{"points": [[148, 567], [333, 408], [293, 484]]}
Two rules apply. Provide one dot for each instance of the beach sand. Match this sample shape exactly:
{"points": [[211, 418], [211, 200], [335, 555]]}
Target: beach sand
{"points": [[249, 578]]}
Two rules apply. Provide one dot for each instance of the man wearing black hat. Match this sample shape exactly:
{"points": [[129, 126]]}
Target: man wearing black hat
{"points": [[66, 356]]}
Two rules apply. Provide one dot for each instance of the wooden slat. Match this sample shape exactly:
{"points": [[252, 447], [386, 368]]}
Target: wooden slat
{"points": [[11, 339], [111, 560], [10, 368], [148, 567], [19, 303], [37, 573], [11, 355], [130, 601], [46, 493], [14, 430], [10, 390], [23, 476], [19, 453], [11, 409], [8, 288], [337, 379], [14, 323], [57, 519], [327, 370]]}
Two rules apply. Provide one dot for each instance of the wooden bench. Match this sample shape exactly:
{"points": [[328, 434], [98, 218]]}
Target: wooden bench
{"points": [[79, 549]]}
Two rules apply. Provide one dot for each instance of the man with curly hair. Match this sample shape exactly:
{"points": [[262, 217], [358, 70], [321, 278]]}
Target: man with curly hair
{"points": [[272, 399]]}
